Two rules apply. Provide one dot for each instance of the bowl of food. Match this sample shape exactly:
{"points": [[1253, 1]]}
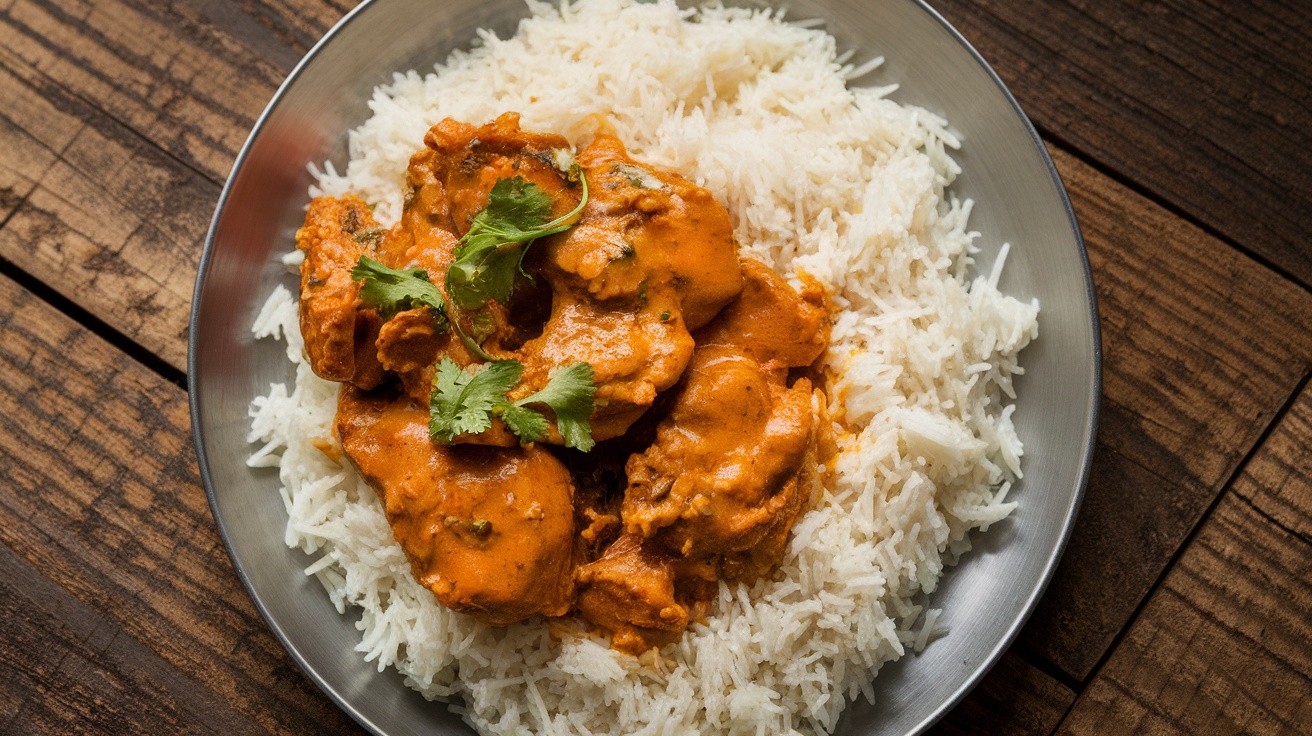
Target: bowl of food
{"points": [[621, 366]]}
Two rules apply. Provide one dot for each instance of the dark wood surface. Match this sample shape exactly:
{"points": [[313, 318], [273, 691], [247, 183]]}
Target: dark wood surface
{"points": [[1182, 129]]}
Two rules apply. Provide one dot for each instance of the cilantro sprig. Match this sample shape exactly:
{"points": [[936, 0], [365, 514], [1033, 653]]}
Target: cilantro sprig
{"points": [[486, 261], [392, 290], [462, 403], [465, 403], [492, 252], [569, 393]]}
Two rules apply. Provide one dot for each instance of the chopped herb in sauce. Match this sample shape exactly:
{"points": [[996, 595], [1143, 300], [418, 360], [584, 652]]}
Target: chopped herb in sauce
{"points": [[491, 253], [392, 290], [466, 403]]}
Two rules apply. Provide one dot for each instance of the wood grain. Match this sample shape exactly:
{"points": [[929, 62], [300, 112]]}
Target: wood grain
{"points": [[164, 70], [32, 133], [72, 669], [1277, 482], [1225, 645], [122, 120], [1204, 104], [101, 215], [1014, 699], [1202, 346], [122, 610], [280, 31]]}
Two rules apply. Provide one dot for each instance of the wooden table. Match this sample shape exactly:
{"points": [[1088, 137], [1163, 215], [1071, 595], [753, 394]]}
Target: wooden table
{"points": [[1180, 127]]}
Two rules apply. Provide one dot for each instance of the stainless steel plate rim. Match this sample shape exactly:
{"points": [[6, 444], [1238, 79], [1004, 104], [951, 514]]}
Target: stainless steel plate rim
{"points": [[344, 701]]}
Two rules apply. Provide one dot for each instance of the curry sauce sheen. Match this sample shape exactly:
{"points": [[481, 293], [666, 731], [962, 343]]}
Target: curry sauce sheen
{"points": [[708, 445]]}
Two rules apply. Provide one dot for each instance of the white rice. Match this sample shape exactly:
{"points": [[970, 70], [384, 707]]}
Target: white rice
{"points": [[841, 183]]}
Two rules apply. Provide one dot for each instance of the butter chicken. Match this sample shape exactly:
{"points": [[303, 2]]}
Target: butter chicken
{"points": [[708, 432]]}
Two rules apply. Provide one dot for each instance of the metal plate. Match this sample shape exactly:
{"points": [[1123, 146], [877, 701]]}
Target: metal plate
{"points": [[1019, 199]]}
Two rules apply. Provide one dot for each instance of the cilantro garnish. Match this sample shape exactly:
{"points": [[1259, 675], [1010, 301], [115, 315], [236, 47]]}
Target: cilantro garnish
{"points": [[465, 403], [486, 261], [569, 393], [393, 290], [462, 403], [493, 250]]}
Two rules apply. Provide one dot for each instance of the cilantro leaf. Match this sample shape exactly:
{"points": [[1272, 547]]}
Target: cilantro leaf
{"points": [[569, 393], [465, 403], [392, 290], [483, 270], [491, 253], [462, 403], [528, 424], [515, 209]]}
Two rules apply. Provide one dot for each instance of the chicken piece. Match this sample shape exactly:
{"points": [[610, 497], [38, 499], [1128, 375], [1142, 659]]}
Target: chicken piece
{"points": [[726, 471], [489, 530], [449, 181], [346, 341], [723, 474], [652, 258], [630, 590], [771, 322], [731, 469], [469, 160], [633, 357], [651, 232], [426, 237], [338, 334], [409, 344]]}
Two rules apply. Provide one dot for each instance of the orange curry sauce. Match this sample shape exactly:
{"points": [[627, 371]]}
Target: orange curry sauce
{"points": [[708, 434]]}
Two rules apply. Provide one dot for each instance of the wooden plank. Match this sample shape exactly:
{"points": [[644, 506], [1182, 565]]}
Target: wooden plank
{"points": [[1202, 346], [105, 218], [1278, 481], [32, 133], [1202, 103], [1014, 699], [72, 669], [141, 610], [121, 120], [175, 74], [1225, 645]]}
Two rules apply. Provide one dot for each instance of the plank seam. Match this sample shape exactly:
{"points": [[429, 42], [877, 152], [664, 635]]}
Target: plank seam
{"points": [[92, 323], [1051, 135], [1301, 536], [1041, 663], [1071, 149], [21, 201], [1189, 539], [99, 109]]}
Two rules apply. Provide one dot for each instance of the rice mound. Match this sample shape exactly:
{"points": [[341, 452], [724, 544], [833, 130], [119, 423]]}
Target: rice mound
{"points": [[841, 183]]}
